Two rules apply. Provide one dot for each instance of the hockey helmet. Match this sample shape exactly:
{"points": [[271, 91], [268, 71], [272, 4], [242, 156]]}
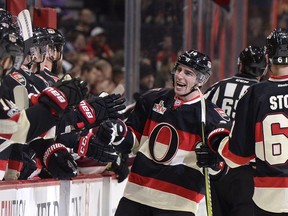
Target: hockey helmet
{"points": [[5, 17], [277, 46], [56, 39], [11, 42], [198, 62], [41, 36], [253, 60], [11, 45]]}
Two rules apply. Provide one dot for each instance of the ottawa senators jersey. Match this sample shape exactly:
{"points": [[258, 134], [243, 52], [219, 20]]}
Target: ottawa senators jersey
{"points": [[165, 129], [260, 131], [226, 93]]}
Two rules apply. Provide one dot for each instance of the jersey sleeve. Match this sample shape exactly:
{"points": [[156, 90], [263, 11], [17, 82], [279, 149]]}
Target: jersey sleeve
{"points": [[31, 123], [239, 148]]}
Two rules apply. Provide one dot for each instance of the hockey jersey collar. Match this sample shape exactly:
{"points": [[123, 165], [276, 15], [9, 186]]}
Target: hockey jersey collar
{"points": [[278, 78], [178, 102]]}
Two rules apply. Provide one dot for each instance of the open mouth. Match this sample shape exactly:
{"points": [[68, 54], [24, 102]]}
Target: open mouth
{"points": [[180, 85]]}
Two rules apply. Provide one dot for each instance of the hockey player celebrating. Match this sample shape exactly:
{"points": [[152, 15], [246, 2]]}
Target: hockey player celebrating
{"points": [[163, 129], [259, 131], [227, 199]]}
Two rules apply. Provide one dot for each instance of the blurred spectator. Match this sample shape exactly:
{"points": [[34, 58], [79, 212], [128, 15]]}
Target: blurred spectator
{"points": [[165, 60], [77, 59], [107, 84], [76, 41], [92, 75], [166, 55], [98, 44], [147, 80], [85, 21], [256, 29], [118, 75]]}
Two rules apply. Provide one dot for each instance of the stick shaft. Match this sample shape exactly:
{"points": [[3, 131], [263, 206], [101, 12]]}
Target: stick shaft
{"points": [[208, 197]]}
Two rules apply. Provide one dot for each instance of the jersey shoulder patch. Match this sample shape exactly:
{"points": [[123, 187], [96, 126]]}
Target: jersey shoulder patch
{"points": [[18, 78], [222, 114]]}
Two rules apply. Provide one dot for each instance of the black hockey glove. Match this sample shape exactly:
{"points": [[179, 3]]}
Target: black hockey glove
{"points": [[29, 165], [205, 157], [120, 167], [66, 92], [96, 110], [119, 131], [74, 89], [96, 147], [59, 162]]}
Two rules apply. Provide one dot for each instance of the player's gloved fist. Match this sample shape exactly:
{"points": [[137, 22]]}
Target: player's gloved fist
{"points": [[120, 131], [96, 147], [74, 89], [96, 110], [120, 167], [217, 135], [59, 162], [205, 157]]}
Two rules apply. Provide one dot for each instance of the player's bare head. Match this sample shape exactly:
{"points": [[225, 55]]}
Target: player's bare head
{"points": [[277, 47], [11, 47], [198, 62], [252, 61]]}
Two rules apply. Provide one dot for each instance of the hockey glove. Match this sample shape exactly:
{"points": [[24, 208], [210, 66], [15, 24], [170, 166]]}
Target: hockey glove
{"points": [[120, 167], [216, 136], [29, 165], [205, 157], [59, 162], [119, 132], [74, 89], [96, 110], [96, 147], [67, 93]]}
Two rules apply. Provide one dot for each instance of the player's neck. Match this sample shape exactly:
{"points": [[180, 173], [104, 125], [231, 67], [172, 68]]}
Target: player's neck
{"points": [[188, 97], [279, 70]]}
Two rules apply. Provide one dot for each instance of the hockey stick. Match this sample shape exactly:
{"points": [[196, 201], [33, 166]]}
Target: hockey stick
{"points": [[208, 198], [21, 97], [25, 25]]}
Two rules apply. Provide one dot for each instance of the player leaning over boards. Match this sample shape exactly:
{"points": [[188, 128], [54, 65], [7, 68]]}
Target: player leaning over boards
{"points": [[260, 131], [164, 129]]}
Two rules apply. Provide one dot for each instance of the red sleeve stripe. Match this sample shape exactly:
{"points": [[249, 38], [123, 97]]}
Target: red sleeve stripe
{"points": [[3, 164], [15, 165], [271, 182], [258, 132], [165, 187], [239, 160]]}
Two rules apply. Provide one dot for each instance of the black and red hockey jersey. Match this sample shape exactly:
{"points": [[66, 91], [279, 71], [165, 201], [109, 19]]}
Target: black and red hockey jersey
{"points": [[165, 130], [260, 131], [226, 93]]}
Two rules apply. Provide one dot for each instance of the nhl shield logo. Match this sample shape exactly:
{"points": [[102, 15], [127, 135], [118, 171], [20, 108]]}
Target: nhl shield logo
{"points": [[159, 108]]}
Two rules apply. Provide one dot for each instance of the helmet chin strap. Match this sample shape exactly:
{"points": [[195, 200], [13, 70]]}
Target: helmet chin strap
{"points": [[194, 88]]}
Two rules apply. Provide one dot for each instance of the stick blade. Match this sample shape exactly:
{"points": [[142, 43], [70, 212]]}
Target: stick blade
{"points": [[21, 97], [25, 25]]}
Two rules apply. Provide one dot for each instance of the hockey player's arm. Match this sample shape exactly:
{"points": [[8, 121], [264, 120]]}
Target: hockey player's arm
{"points": [[28, 124]]}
